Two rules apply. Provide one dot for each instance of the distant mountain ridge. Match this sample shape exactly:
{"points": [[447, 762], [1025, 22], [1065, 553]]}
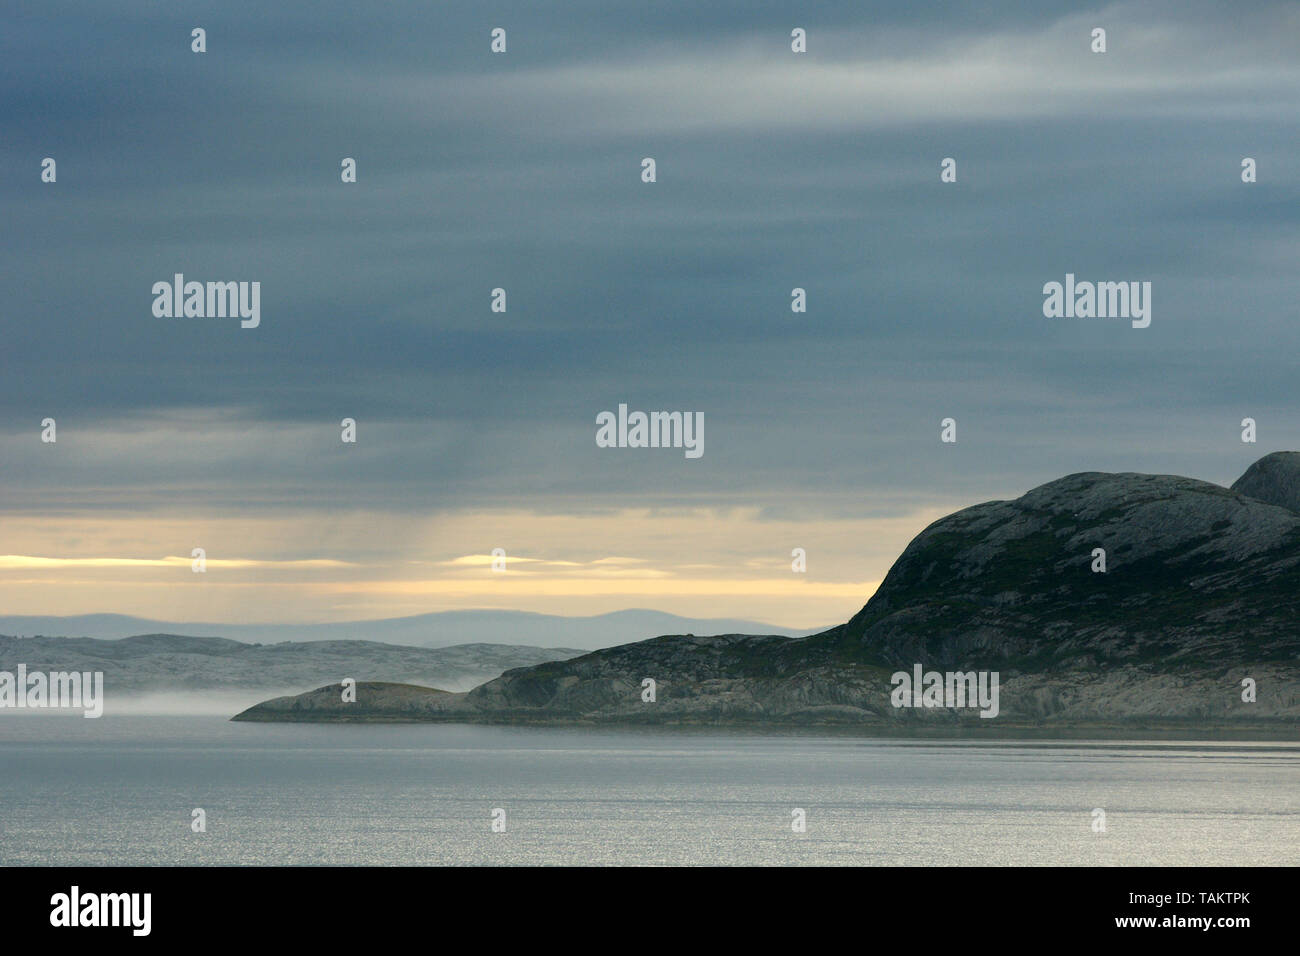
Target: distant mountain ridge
{"points": [[173, 663], [440, 629], [1201, 590]]}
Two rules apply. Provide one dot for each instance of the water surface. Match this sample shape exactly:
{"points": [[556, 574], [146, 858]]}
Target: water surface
{"points": [[120, 790]]}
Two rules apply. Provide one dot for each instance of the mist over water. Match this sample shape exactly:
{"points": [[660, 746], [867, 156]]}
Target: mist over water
{"points": [[120, 790]]}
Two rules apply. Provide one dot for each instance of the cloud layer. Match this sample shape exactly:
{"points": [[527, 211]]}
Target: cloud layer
{"points": [[521, 171]]}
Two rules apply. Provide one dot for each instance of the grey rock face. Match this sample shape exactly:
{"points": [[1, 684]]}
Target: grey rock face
{"points": [[1195, 574], [1274, 478]]}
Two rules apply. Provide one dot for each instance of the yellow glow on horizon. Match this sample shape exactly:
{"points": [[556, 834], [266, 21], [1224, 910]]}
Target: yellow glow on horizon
{"points": [[9, 562], [303, 567]]}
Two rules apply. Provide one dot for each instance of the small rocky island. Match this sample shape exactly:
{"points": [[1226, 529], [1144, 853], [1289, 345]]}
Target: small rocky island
{"points": [[1108, 604]]}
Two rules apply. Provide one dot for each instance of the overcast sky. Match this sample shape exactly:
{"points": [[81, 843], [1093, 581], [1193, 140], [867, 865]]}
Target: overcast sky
{"points": [[523, 171]]}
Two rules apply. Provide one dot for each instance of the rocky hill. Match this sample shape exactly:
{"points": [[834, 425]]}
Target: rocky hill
{"points": [[1201, 590], [1274, 478], [374, 702]]}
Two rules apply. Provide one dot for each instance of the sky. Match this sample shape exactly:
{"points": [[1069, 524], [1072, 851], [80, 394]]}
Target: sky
{"points": [[523, 170]]}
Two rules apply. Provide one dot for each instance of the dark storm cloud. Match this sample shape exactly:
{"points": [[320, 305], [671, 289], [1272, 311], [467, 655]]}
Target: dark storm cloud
{"points": [[522, 171]]}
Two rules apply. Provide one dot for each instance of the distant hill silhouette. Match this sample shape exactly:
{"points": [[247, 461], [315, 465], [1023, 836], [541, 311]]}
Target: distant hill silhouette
{"points": [[178, 664], [442, 629]]}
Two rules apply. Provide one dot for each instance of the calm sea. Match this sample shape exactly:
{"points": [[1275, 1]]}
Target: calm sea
{"points": [[120, 790]]}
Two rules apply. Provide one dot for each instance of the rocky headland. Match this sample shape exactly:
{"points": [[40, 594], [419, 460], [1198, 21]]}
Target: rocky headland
{"points": [[1197, 611]]}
